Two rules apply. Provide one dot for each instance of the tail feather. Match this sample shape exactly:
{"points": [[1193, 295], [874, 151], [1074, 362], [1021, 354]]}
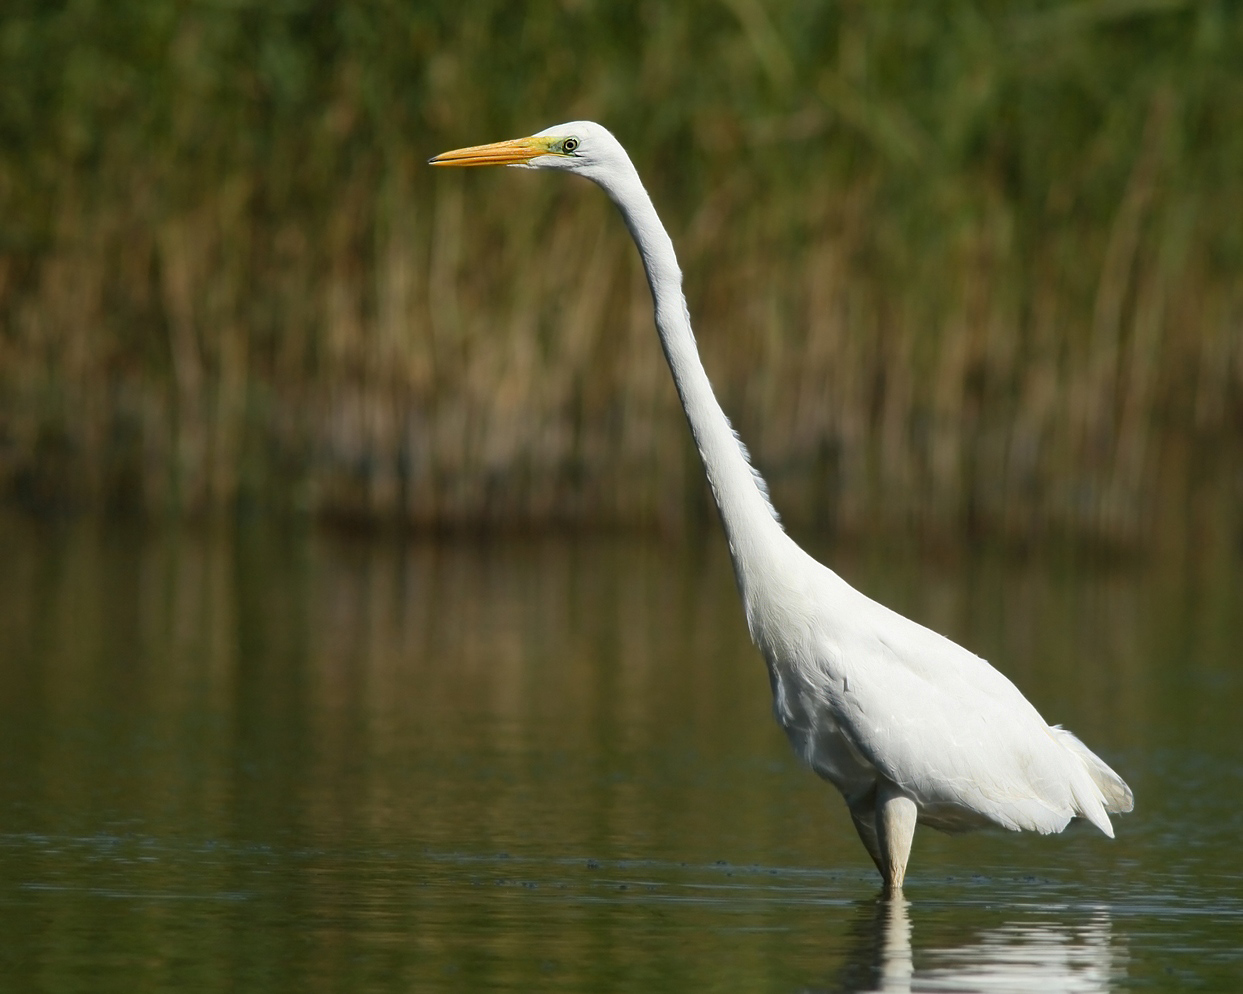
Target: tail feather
{"points": [[1115, 795]]}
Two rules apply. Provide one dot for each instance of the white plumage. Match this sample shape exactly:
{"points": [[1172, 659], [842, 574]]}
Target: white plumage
{"points": [[908, 725]]}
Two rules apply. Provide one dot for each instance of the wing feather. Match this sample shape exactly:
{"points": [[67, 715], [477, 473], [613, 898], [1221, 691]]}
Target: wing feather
{"points": [[958, 735]]}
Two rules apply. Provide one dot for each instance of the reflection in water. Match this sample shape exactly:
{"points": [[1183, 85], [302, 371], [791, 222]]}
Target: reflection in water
{"points": [[1035, 955]]}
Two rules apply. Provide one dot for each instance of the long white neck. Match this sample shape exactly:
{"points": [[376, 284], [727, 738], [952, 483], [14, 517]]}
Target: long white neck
{"points": [[751, 527]]}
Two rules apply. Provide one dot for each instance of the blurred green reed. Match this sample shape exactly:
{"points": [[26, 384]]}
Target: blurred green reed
{"points": [[954, 266]]}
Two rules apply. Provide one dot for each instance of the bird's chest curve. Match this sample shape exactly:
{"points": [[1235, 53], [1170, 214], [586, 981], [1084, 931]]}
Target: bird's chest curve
{"points": [[810, 704]]}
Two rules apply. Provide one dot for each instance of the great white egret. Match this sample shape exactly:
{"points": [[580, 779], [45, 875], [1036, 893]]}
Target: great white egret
{"points": [[908, 725]]}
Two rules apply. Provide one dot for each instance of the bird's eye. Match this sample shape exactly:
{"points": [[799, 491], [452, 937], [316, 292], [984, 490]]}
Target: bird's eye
{"points": [[569, 145]]}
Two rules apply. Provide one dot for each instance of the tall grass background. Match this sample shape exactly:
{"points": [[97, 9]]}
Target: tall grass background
{"points": [[958, 267]]}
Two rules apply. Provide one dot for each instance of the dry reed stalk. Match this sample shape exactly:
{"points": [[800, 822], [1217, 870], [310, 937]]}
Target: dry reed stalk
{"points": [[942, 277]]}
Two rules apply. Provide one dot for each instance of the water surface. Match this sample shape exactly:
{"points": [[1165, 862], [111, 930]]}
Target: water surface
{"points": [[247, 759]]}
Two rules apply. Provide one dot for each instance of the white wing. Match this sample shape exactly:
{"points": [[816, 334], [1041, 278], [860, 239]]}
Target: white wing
{"points": [[956, 734]]}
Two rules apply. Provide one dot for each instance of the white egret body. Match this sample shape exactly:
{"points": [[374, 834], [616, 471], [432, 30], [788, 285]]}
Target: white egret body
{"points": [[909, 726]]}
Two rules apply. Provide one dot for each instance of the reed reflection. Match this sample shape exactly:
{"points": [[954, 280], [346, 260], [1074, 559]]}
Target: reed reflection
{"points": [[1033, 954]]}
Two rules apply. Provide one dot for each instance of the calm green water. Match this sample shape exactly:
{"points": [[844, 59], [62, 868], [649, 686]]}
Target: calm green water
{"points": [[250, 761]]}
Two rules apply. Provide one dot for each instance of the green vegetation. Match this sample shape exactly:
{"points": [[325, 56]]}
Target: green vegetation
{"points": [[953, 266]]}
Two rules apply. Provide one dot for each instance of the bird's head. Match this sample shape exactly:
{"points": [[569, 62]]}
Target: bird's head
{"points": [[581, 147]]}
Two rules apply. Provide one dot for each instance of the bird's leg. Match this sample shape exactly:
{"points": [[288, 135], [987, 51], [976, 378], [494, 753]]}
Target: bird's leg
{"points": [[863, 814], [895, 827]]}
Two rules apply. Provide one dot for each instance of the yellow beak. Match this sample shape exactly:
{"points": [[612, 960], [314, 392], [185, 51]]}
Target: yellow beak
{"points": [[517, 151]]}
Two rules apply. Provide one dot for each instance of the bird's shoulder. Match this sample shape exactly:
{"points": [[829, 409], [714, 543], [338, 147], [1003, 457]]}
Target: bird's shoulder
{"points": [[850, 634]]}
